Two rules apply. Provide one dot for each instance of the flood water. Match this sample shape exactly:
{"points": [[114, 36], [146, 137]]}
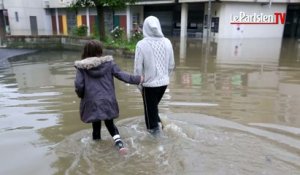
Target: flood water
{"points": [[231, 108]]}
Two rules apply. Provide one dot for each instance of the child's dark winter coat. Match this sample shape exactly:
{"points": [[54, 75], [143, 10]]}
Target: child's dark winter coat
{"points": [[95, 76]]}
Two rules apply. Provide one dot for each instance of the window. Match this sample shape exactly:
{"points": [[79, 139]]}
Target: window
{"points": [[17, 16]]}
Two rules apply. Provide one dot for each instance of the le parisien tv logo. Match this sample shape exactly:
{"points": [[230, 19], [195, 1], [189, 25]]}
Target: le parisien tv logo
{"points": [[258, 18]]}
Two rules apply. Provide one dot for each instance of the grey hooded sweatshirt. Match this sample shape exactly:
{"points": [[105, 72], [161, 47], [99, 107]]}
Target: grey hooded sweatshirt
{"points": [[154, 57], [94, 84]]}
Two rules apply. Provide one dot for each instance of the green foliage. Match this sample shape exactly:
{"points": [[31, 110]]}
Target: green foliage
{"points": [[114, 4], [95, 33], [80, 31], [118, 40], [99, 4], [112, 44], [115, 41], [130, 47], [136, 36], [118, 33], [75, 5]]}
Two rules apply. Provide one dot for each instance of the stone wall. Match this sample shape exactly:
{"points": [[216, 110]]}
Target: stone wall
{"points": [[46, 42], [57, 42]]}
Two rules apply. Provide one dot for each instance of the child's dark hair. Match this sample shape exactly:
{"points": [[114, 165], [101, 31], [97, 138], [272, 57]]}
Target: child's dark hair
{"points": [[92, 48]]}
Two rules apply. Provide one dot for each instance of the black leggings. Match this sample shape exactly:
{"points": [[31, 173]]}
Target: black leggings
{"points": [[111, 127], [151, 99]]}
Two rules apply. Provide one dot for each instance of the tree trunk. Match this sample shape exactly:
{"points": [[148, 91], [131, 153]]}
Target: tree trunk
{"points": [[101, 24]]}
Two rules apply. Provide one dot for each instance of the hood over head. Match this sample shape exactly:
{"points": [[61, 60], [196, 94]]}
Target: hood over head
{"points": [[152, 28], [94, 66]]}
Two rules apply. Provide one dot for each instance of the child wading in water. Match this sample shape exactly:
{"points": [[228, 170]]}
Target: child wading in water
{"points": [[94, 85]]}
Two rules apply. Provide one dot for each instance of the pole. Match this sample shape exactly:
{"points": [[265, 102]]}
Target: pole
{"points": [[208, 19], [207, 50], [87, 14], [57, 22], [183, 20]]}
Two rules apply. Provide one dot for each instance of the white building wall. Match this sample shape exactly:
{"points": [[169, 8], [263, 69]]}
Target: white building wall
{"points": [[226, 30], [25, 9], [82, 11]]}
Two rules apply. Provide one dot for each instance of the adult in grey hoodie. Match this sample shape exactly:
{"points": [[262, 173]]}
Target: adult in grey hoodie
{"points": [[154, 60], [94, 85]]}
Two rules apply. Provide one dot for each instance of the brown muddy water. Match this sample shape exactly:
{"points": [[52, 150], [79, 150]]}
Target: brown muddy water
{"points": [[231, 108]]}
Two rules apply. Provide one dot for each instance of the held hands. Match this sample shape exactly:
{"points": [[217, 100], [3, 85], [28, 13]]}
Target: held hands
{"points": [[142, 80], [140, 85]]}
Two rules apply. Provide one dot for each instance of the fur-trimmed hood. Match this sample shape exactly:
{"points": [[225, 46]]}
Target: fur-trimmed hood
{"points": [[92, 62], [94, 66]]}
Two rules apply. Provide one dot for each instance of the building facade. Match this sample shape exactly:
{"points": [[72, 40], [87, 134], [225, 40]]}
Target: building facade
{"points": [[3, 20], [229, 19]]}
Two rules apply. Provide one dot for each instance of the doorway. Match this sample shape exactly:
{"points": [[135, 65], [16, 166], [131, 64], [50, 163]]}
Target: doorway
{"points": [[292, 23], [33, 25]]}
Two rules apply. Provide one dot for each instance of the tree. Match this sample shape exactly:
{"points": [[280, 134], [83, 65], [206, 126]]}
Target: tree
{"points": [[100, 4]]}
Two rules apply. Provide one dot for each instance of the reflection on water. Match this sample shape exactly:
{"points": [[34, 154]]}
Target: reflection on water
{"points": [[1, 42], [252, 82], [249, 51], [221, 99]]}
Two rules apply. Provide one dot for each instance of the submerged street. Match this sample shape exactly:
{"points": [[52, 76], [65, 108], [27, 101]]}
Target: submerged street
{"points": [[231, 108]]}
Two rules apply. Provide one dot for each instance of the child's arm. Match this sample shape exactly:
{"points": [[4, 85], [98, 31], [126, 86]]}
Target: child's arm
{"points": [[123, 76], [79, 83]]}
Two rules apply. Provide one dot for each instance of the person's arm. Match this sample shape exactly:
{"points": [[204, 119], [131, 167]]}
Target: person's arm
{"points": [[125, 77], [171, 60], [79, 83], [138, 64], [138, 61]]}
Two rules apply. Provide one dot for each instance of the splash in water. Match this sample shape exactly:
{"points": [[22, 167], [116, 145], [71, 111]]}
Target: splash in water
{"points": [[189, 144]]}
